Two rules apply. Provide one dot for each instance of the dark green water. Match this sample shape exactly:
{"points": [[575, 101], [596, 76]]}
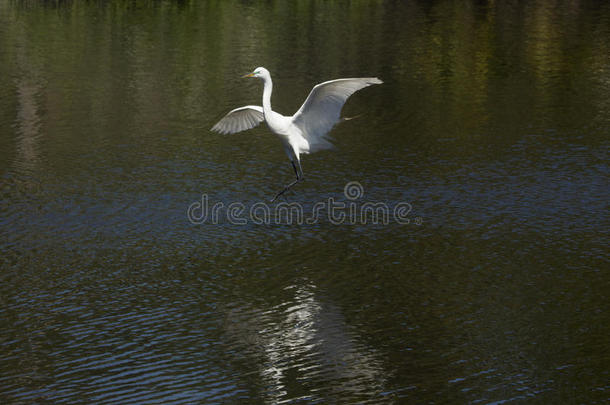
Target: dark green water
{"points": [[492, 124]]}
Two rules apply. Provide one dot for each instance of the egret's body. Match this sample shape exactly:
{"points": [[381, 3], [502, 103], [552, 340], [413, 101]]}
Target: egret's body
{"points": [[305, 131]]}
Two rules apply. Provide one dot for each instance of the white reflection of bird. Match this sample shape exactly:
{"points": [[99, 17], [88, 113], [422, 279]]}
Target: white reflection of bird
{"points": [[306, 130]]}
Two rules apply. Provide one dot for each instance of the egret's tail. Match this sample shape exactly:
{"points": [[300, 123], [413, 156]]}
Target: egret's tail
{"points": [[351, 118]]}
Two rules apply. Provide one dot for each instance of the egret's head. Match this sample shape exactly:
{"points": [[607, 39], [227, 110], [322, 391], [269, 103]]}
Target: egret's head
{"points": [[259, 72]]}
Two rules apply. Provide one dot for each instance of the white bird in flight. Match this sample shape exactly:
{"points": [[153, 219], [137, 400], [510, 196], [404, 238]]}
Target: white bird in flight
{"points": [[305, 131]]}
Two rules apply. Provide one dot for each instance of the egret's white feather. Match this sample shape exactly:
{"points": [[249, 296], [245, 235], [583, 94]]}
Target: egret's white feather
{"points": [[322, 109], [240, 119]]}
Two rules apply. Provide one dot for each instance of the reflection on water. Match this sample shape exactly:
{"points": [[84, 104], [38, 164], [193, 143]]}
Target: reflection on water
{"points": [[28, 123], [28, 89], [303, 339], [492, 124]]}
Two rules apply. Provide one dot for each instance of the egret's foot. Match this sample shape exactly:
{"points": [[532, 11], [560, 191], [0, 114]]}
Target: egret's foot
{"points": [[281, 193], [287, 188]]}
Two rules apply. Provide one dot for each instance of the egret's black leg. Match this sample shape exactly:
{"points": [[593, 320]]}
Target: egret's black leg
{"points": [[295, 169], [298, 179], [300, 171]]}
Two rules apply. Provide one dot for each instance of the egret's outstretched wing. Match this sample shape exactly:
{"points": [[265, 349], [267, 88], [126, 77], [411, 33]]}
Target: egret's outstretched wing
{"points": [[240, 119], [322, 109]]}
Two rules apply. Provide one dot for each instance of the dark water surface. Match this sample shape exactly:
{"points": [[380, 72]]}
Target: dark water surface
{"points": [[492, 124]]}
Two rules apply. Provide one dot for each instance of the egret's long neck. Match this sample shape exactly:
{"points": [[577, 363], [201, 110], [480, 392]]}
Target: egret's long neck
{"points": [[267, 96]]}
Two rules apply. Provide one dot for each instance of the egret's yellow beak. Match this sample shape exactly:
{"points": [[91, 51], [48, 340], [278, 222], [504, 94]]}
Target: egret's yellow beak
{"points": [[248, 75]]}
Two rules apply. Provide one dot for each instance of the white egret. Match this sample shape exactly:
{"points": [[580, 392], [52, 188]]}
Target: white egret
{"points": [[305, 131]]}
